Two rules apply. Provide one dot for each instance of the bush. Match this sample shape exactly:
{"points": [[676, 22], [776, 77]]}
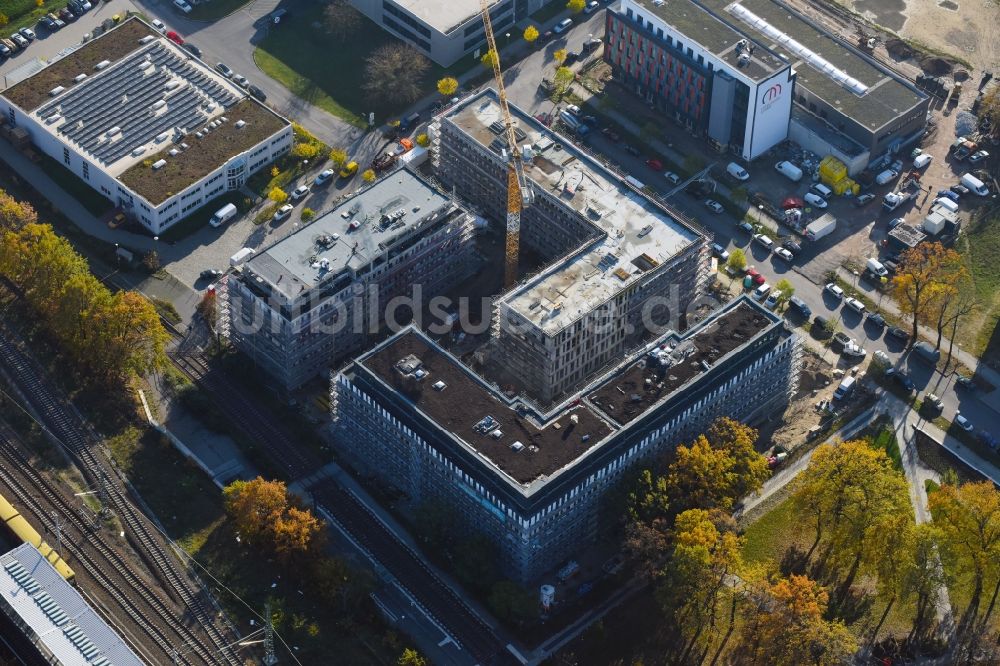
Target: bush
{"points": [[308, 214]]}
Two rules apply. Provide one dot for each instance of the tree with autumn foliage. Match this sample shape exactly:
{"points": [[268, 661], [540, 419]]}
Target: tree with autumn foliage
{"points": [[489, 58], [109, 336], [576, 6], [717, 469], [788, 626], [560, 56], [264, 514], [447, 86], [858, 505], [15, 214], [530, 34], [926, 274], [696, 584], [968, 519]]}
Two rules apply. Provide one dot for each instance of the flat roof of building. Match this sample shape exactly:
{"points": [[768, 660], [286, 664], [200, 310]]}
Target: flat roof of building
{"points": [[714, 34], [827, 75], [472, 410], [553, 441], [674, 361], [637, 233], [59, 617], [386, 211], [128, 97], [443, 15]]}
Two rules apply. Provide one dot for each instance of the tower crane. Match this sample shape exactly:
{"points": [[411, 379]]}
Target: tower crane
{"points": [[519, 192]]}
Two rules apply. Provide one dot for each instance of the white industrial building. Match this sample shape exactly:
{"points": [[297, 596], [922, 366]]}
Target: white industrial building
{"points": [[53, 617], [146, 124]]}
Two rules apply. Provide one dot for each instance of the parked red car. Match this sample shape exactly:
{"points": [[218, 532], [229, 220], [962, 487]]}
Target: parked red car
{"points": [[654, 164], [175, 38]]}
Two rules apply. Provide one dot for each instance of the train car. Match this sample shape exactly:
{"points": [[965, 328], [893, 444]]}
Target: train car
{"points": [[24, 532]]}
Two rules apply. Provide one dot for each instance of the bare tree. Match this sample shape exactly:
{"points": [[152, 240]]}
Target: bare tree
{"points": [[394, 74], [341, 19]]}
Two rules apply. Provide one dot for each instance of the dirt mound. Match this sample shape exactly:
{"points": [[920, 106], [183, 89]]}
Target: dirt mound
{"points": [[932, 64], [935, 66], [897, 48]]}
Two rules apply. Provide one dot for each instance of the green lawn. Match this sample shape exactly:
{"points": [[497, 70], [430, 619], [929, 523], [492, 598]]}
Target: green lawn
{"points": [[886, 440], [301, 59], [190, 507], [215, 9], [25, 13], [767, 539], [980, 246]]}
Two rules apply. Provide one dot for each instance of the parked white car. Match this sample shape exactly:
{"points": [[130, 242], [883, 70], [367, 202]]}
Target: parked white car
{"points": [[814, 200]]}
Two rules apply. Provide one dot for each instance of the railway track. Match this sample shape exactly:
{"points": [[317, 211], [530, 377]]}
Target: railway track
{"points": [[291, 459], [71, 429], [435, 596], [14, 468]]}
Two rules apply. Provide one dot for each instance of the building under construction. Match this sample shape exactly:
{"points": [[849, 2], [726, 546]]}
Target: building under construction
{"points": [[593, 366], [323, 292], [614, 252]]}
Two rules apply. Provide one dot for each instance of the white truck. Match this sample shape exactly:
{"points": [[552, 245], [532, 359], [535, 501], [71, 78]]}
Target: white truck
{"points": [[241, 256], [821, 226], [894, 200]]}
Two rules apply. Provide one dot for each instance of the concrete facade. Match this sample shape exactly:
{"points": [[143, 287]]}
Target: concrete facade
{"points": [[445, 30], [534, 484]]}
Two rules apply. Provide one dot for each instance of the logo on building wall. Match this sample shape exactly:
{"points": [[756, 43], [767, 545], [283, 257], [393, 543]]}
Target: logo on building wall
{"points": [[771, 94]]}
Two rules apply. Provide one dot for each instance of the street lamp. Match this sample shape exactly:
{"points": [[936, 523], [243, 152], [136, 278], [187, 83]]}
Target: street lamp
{"points": [[118, 259], [760, 214]]}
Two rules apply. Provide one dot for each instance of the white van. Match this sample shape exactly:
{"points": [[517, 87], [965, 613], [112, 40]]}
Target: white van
{"points": [[974, 184], [789, 171], [821, 190], [737, 172], [875, 267], [241, 256], [922, 160], [946, 203], [223, 215], [845, 388], [886, 176], [761, 292]]}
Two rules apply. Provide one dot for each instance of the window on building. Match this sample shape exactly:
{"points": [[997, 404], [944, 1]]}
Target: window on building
{"points": [[690, 53], [66, 156], [86, 171]]}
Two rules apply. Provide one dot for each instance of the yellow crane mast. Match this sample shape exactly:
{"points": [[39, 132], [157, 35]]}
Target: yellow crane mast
{"points": [[519, 193]]}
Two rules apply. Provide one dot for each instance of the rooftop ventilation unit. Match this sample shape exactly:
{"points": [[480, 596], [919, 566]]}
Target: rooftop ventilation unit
{"points": [[55, 91], [114, 130], [138, 151], [158, 104], [147, 39], [173, 152], [159, 164], [79, 77], [172, 84], [101, 65], [240, 123], [53, 119], [162, 136]]}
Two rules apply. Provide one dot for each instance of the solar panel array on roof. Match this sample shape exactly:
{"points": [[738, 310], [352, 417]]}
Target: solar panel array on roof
{"points": [[152, 92]]}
